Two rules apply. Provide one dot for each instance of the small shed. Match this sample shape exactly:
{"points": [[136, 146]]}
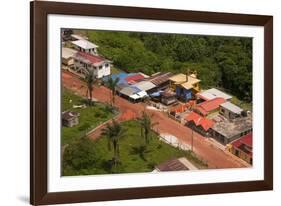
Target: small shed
{"points": [[70, 118], [67, 55], [230, 111]]}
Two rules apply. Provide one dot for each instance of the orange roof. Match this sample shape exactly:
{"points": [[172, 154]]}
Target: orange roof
{"points": [[210, 105], [205, 123]]}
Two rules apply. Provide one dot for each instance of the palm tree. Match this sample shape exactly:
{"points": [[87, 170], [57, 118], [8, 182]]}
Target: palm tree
{"points": [[113, 132], [90, 79], [146, 126], [112, 86]]}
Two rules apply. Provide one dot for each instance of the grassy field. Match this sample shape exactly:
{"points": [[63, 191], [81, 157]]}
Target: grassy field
{"points": [[90, 117], [131, 160]]}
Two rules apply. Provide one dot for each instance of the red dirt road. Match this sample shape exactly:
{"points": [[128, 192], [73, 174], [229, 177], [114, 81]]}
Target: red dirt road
{"points": [[215, 157]]}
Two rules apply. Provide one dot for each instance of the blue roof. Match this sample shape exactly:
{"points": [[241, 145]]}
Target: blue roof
{"points": [[121, 77], [136, 89]]}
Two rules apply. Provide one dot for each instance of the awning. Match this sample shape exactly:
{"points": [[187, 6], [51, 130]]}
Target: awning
{"points": [[135, 96], [142, 94]]}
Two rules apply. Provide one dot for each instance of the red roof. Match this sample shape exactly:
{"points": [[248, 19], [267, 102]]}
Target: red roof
{"points": [[246, 140], [133, 78], [93, 59], [210, 105], [205, 123]]}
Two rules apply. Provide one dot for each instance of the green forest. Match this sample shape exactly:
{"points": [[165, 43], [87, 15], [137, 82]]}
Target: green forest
{"points": [[222, 62]]}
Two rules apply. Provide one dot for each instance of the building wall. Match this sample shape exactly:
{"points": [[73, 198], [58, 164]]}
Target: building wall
{"points": [[198, 129], [98, 72], [225, 140], [227, 113], [68, 62], [183, 93], [89, 51], [239, 153]]}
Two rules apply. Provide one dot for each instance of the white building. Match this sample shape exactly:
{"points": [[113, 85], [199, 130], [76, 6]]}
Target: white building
{"points": [[84, 45], [83, 61]]}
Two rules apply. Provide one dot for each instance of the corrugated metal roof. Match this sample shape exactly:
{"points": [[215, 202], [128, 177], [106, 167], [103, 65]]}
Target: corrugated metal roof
{"points": [[232, 107], [205, 123], [160, 78], [178, 78], [85, 44], [130, 90], [191, 81], [213, 93], [210, 105], [131, 79], [89, 59], [145, 85]]}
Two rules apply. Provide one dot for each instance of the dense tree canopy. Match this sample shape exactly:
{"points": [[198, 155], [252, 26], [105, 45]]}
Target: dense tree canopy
{"points": [[224, 62]]}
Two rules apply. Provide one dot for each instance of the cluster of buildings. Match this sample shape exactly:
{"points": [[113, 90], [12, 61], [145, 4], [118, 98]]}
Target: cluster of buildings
{"points": [[210, 112], [79, 55]]}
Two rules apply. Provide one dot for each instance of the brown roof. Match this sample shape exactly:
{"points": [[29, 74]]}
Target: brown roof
{"points": [[168, 94], [160, 78], [69, 115], [172, 165]]}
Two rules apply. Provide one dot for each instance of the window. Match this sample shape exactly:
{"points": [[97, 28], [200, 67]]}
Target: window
{"points": [[100, 67], [106, 65]]}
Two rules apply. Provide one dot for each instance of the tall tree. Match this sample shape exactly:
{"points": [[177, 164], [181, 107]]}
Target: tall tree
{"points": [[112, 83], [90, 79], [113, 131], [146, 126]]}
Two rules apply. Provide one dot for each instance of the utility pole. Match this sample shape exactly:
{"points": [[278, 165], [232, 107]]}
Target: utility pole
{"points": [[192, 139]]}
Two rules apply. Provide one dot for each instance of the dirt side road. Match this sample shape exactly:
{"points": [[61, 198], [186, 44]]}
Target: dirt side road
{"points": [[215, 157]]}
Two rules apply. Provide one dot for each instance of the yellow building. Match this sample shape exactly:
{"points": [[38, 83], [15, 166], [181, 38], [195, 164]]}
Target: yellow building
{"points": [[186, 86]]}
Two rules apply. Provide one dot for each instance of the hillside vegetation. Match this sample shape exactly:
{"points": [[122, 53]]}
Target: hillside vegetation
{"points": [[224, 62]]}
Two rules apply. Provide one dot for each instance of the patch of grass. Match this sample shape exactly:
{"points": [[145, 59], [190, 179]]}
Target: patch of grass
{"points": [[131, 161], [115, 70], [244, 105], [90, 117]]}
